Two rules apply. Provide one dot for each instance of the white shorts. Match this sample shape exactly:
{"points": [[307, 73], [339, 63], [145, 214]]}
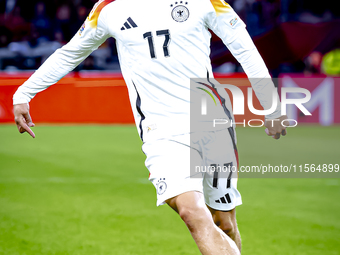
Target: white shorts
{"points": [[204, 162]]}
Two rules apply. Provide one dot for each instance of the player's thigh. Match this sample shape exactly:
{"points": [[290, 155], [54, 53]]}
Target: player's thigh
{"points": [[220, 183], [168, 161]]}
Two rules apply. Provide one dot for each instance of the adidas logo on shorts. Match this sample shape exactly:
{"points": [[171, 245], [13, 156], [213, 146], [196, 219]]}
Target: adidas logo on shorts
{"points": [[224, 200]]}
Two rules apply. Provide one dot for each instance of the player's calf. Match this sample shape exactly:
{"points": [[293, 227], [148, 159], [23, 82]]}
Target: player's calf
{"points": [[226, 221], [208, 237]]}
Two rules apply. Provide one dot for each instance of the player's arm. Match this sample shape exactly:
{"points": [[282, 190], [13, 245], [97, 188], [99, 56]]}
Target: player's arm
{"points": [[91, 35], [230, 28], [244, 50]]}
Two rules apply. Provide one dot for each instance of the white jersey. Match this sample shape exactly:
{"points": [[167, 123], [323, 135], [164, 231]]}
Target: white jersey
{"points": [[161, 45]]}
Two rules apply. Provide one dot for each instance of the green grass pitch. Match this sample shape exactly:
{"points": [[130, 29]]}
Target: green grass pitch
{"points": [[84, 190]]}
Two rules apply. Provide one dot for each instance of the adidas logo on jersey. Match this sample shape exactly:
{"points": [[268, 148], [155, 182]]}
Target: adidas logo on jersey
{"points": [[224, 200], [129, 24]]}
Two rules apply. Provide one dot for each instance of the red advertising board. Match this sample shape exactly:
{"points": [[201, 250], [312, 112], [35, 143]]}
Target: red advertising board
{"points": [[103, 98], [88, 98], [77, 98]]}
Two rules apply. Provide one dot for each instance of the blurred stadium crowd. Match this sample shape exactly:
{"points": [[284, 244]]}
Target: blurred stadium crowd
{"points": [[30, 30]]}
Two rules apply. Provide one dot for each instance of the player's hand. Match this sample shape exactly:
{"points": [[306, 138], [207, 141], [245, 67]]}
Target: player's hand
{"points": [[275, 128], [23, 119]]}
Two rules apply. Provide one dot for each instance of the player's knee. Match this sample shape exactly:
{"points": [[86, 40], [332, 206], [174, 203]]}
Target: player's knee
{"points": [[193, 217], [227, 225]]}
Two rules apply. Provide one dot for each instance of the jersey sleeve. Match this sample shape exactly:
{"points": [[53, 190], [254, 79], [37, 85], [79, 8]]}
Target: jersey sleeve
{"points": [[91, 35], [227, 25]]}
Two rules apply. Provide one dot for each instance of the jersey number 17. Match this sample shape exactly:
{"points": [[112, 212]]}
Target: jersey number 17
{"points": [[149, 37]]}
